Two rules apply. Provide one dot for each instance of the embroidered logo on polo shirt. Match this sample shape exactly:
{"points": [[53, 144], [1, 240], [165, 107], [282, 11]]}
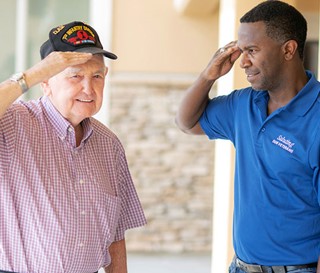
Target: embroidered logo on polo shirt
{"points": [[285, 144]]}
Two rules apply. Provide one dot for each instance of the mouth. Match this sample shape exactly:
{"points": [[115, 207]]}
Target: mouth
{"points": [[85, 101], [251, 76]]}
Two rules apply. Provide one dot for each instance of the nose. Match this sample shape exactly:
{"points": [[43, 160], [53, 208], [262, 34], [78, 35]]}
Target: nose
{"points": [[245, 60], [87, 85]]}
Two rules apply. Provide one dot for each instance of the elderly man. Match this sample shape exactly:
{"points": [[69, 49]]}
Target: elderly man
{"points": [[66, 194]]}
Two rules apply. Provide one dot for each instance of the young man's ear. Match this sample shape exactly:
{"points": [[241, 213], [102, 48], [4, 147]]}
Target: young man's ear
{"points": [[290, 49]]}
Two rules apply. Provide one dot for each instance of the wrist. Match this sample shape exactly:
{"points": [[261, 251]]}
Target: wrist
{"points": [[20, 79]]}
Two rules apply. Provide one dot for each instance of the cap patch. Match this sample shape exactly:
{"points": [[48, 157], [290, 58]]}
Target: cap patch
{"points": [[78, 35]]}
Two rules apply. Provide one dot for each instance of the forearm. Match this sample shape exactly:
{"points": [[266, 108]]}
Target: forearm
{"points": [[193, 103], [9, 92], [118, 256]]}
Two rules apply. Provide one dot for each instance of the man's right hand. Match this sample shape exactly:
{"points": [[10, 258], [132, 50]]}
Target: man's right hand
{"points": [[53, 64], [222, 61]]}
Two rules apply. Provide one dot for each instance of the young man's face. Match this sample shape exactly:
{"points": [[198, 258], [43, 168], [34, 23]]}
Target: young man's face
{"points": [[262, 57], [77, 92]]}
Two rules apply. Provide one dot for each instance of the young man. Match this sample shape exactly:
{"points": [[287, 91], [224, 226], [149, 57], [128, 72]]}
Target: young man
{"points": [[66, 194], [275, 128]]}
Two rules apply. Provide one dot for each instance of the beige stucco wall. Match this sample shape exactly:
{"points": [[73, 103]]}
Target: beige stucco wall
{"points": [[151, 36]]}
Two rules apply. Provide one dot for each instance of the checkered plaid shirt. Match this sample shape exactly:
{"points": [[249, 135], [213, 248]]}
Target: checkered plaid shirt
{"points": [[61, 206]]}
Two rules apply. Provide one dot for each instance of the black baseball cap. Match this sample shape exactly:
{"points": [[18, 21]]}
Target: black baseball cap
{"points": [[75, 36]]}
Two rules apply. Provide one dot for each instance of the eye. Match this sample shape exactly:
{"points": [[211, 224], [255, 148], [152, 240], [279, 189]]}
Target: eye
{"points": [[98, 76], [74, 76], [252, 51]]}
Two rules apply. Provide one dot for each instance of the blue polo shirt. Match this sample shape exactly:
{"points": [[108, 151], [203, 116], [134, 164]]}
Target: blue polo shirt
{"points": [[277, 177]]}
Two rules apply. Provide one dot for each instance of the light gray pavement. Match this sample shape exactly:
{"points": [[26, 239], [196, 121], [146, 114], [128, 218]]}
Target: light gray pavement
{"points": [[168, 263]]}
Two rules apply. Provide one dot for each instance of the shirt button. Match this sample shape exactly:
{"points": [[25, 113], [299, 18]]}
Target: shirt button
{"points": [[81, 181], [263, 129], [81, 245], [83, 212], [70, 129]]}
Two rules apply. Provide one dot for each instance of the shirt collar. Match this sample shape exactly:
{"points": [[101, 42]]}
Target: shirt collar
{"points": [[307, 96], [301, 103], [61, 125]]}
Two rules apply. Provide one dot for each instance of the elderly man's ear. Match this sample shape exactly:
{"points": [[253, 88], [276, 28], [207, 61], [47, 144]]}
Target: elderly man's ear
{"points": [[46, 88]]}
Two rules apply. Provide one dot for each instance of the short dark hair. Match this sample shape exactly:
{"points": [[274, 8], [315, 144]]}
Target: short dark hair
{"points": [[283, 22]]}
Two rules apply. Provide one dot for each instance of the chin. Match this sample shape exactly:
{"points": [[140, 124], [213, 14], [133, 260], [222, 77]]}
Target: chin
{"points": [[258, 88]]}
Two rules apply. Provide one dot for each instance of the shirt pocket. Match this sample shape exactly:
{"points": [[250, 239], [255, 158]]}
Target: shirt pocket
{"points": [[106, 213]]}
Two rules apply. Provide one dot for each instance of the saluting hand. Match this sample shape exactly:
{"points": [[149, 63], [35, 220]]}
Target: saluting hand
{"points": [[222, 61], [53, 64]]}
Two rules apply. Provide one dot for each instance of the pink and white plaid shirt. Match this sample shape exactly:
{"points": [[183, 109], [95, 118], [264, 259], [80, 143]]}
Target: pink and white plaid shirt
{"points": [[61, 206]]}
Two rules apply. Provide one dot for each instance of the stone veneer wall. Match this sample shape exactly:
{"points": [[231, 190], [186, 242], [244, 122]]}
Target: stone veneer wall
{"points": [[172, 171]]}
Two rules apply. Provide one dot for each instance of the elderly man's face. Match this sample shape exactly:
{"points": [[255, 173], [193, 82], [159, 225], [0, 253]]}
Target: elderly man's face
{"points": [[77, 92]]}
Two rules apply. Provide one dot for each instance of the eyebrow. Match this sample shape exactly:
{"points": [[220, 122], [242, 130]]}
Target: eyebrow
{"points": [[247, 47]]}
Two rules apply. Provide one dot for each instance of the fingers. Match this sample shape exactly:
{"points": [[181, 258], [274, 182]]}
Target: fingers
{"points": [[222, 49], [228, 48], [222, 61], [68, 58], [227, 54], [57, 61], [53, 64]]}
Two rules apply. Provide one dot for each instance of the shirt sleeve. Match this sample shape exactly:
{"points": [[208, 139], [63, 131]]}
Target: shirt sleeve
{"points": [[314, 156], [217, 120], [7, 138], [131, 212]]}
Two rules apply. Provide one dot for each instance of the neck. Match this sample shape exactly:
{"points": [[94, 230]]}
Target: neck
{"points": [[285, 93]]}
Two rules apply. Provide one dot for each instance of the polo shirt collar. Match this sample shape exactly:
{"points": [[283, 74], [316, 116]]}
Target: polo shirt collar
{"points": [[60, 124], [307, 96], [300, 104]]}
